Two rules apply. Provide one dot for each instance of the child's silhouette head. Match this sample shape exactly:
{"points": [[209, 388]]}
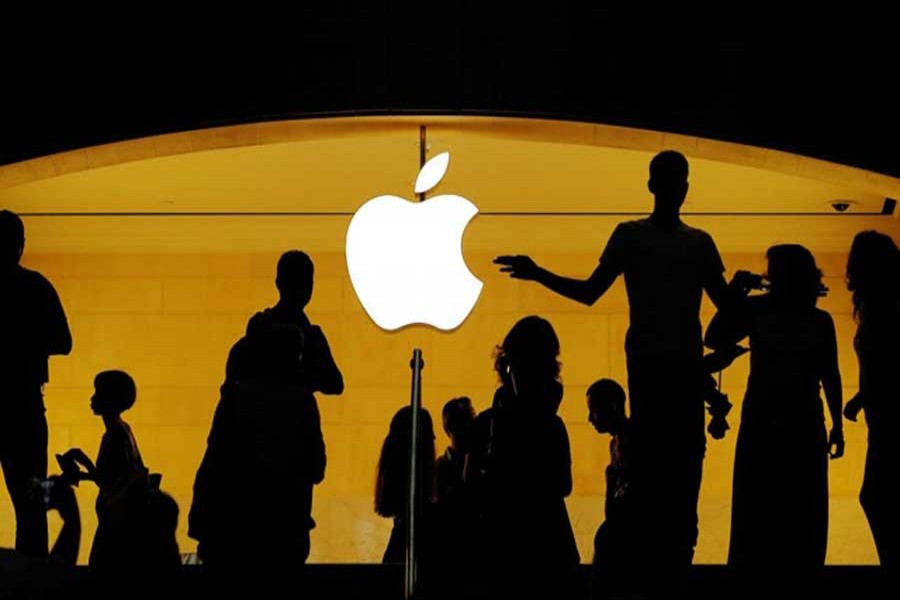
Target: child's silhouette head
{"points": [[114, 393], [606, 405], [458, 416]]}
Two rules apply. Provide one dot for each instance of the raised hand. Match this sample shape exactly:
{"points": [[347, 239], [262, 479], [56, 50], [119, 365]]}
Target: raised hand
{"points": [[852, 408], [518, 266]]}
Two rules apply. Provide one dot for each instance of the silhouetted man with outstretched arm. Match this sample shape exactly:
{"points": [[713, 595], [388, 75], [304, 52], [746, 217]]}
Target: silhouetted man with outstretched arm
{"points": [[33, 327], [667, 265]]}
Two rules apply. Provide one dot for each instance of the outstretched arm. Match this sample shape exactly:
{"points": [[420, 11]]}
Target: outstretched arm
{"points": [[730, 325], [587, 291]]}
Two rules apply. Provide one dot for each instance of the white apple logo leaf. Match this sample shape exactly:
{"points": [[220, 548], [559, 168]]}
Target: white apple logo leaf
{"points": [[405, 258], [432, 172]]}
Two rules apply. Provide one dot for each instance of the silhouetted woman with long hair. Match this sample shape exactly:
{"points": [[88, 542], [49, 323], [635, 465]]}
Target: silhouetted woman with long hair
{"points": [[873, 276], [392, 481], [522, 465], [779, 516]]}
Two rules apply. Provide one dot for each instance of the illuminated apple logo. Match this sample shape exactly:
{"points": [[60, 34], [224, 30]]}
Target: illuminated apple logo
{"points": [[405, 258]]}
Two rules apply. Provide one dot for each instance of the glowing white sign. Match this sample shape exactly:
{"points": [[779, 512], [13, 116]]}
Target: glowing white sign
{"points": [[405, 258]]}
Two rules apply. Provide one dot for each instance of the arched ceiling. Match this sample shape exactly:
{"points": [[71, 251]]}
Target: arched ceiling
{"points": [[552, 184]]}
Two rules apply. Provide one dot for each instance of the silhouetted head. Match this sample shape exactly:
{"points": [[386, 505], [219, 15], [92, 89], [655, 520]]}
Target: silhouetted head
{"points": [[458, 416], [114, 393], [794, 279], [873, 272], [668, 181], [12, 240], [295, 277], [606, 405], [391, 482], [530, 350]]}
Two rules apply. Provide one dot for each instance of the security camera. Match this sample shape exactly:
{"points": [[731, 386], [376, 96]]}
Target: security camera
{"points": [[840, 206]]}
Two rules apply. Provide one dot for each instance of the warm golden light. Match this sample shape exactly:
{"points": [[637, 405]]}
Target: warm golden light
{"points": [[164, 297]]}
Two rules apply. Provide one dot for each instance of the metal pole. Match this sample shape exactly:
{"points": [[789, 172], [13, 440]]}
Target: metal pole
{"points": [[413, 498], [410, 587], [423, 149]]}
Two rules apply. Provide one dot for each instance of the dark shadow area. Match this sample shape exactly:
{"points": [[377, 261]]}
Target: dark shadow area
{"points": [[682, 70]]}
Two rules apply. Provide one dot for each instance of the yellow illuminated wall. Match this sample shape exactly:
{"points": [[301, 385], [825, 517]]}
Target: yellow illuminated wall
{"points": [[169, 320]]}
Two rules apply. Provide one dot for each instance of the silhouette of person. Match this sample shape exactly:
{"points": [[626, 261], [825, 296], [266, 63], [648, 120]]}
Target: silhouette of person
{"points": [[455, 516], [667, 266], [779, 516], [252, 505], [617, 559], [148, 562], [392, 484], [147, 559], [873, 275], [294, 281], [522, 468], [119, 472], [151, 519], [302, 374], [23, 576], [33, 327], [458, 418], [615, 555]]}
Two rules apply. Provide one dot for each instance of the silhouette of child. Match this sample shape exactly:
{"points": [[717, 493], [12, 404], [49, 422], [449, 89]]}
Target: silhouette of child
{"points": [[119, 470], [458, 418], [614, 554]]}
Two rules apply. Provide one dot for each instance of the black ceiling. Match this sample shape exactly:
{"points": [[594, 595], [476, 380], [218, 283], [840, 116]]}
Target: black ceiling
{"points": [[813, 83]]}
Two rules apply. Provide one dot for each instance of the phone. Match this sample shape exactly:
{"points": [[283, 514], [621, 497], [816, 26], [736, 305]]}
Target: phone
{"points": [[46, 490], [512, 380]]}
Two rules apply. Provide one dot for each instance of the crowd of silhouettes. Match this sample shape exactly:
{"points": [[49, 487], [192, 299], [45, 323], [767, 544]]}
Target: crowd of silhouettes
{"points": [[492, 505]]}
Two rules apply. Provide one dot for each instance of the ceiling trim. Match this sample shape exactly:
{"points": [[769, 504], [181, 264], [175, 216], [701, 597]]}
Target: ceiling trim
{"points": [[522, 129]]}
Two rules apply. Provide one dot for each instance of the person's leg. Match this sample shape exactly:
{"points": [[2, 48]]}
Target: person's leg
{"points": [[669, 445], [600, 574], [645, 473], [879, 502], [687, 447], [25, 461]]}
